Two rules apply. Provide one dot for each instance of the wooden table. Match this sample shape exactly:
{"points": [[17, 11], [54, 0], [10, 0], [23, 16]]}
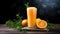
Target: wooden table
{"points": [[5, 30]]}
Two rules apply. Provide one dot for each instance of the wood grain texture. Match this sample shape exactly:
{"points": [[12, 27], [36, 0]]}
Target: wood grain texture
{"points": [[6, 30]]}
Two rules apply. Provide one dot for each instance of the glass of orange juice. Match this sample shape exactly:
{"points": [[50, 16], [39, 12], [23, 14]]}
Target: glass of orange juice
{"points": [[31, 16]]}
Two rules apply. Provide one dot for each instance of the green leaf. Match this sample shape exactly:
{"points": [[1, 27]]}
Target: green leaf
{"points": [[27, 5], [10, 23], [17, 15], [50, 25], [16, 24]]}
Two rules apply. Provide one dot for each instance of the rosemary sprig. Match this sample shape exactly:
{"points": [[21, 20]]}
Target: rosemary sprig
{"points": [[27, 5], [50, 25], [16, 24]]}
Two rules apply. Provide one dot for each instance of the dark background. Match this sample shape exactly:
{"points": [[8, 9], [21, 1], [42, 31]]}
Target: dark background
{"points": [[47, 9]]}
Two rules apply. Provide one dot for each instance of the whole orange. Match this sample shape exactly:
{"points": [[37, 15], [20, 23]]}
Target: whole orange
{"points": [[24, 22]]}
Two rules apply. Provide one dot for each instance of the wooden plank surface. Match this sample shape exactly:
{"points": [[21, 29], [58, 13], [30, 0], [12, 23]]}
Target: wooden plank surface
{"points": [[6, 30]]}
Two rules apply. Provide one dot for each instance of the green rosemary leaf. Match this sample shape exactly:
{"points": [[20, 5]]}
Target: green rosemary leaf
{"points": [[50, 25], [10, 23], [27, 5]]}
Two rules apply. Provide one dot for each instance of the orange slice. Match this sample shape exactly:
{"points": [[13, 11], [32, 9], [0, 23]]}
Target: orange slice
{"points": [[41, 24]]}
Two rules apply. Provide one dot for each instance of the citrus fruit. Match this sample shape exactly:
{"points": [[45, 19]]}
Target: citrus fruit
{"points": [[38, 20], [24, 22], [41, 24]]}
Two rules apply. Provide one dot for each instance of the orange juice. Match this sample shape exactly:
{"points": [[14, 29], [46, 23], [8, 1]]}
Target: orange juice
{"points": [[31, 15]]}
